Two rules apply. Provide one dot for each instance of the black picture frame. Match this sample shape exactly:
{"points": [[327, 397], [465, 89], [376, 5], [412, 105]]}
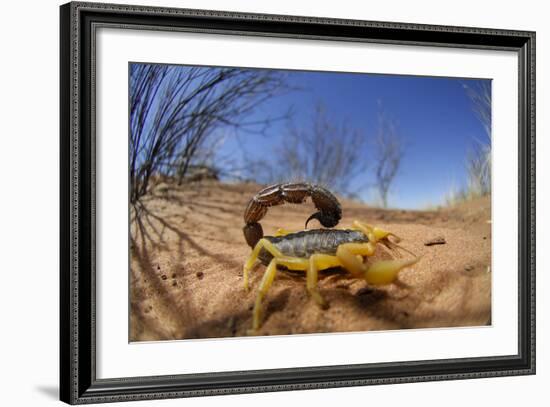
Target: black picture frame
{"points": [[78, 382]]}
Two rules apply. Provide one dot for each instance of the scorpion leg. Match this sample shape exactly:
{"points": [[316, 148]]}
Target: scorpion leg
{"points": [[318, 262], [294, 263], [282, 232], [262, 244], [348, 254]]}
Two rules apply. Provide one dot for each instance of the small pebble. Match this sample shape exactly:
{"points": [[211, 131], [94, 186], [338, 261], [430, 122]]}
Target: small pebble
{"points": [[163, 277], [469, 267], [200, 275], [174, 283], [174, 275], [435, 240]]}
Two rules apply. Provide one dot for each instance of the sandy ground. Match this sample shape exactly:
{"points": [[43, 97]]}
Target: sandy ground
{"points": [[187, 253]]}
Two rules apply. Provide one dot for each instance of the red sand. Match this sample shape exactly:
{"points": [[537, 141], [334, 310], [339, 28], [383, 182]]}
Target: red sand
{"points": [[188, 251]]}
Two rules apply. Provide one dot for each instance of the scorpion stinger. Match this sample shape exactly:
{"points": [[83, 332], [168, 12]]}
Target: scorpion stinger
{"points": [[330, 211]]}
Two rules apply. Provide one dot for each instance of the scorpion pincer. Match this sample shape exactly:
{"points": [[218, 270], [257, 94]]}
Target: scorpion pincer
{"points": [[314, 250]]}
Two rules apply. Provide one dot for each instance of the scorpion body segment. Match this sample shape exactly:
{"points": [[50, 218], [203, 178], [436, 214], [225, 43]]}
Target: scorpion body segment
{"points": [[329, 211], [306, 243]]}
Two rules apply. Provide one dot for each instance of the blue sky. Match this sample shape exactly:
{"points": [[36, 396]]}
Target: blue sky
{"points": [[434, 117]]}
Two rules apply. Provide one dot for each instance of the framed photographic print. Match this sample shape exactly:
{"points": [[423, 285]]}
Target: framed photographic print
{"points": [[257, 203]]}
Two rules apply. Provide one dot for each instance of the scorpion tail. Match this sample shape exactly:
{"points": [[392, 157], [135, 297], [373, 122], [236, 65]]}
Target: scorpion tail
{"points": [[327, 219], [253, 232], [328, 212]]}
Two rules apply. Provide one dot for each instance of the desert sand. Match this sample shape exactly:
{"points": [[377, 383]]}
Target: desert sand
{"points": [[188, 250]]}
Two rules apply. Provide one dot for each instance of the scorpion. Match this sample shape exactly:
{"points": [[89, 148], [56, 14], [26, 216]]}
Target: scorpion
{"points": [[314, 250]]}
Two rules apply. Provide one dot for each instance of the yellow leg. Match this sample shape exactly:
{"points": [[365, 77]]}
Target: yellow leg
{"points": [[282, 232], [349, 259], [262, 244], [348, 255], [294, 263], [319, 262]]}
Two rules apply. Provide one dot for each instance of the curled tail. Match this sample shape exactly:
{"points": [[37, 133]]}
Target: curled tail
{"points": [[329, 211]]}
